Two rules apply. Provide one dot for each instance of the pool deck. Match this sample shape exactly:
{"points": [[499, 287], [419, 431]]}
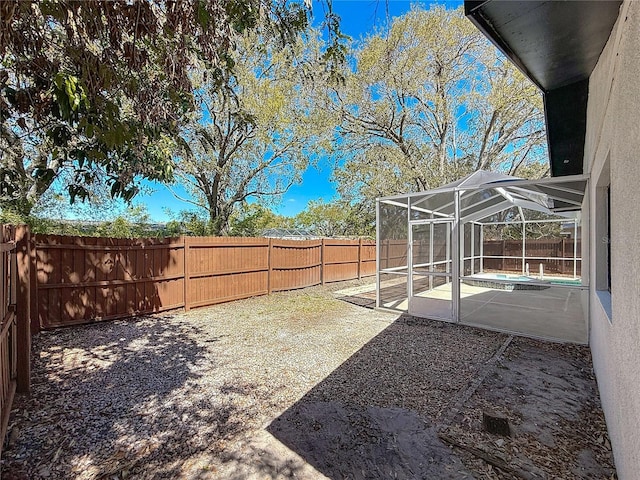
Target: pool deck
{"points": [[554, 313]]}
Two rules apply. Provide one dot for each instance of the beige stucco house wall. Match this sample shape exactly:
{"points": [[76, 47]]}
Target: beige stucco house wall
{"points": [[612, 158]]}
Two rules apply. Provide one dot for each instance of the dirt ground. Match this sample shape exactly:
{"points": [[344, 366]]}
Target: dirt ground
{"points": [[548, 393], [303, 385]]}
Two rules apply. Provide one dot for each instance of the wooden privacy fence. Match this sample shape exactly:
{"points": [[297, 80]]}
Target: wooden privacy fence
{"points": [[556, 255], [393, 253], [83, 279], [15, 335], [8, 334]]}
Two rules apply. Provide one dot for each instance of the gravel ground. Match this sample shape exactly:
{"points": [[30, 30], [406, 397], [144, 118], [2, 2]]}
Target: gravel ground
{"points": [[293, 385]]}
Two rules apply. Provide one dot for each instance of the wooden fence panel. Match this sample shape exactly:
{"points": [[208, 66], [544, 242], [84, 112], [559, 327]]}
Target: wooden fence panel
{"points": [[8, 328], [556, 255], [85, 279], [368, 258], [393, 253], [295, 264], [221, 269], [340, 260]]}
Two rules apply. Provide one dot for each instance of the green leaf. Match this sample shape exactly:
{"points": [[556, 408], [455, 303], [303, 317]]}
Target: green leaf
{"points": [[203, 15], [77, 191], [46, 175], [115, 188], [59, 81]]}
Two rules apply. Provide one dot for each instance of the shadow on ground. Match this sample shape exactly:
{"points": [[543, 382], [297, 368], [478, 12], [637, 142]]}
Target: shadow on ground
{"points": [[376, 415], [103, 402], [156, 398], [392, 294], [383, 412]]}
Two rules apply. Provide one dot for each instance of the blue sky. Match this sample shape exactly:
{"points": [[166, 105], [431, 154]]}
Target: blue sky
{"points": [[358, 18]]}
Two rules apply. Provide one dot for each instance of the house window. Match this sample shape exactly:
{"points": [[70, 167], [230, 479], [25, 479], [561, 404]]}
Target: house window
{"points": [[604, 237], [609, 238]]}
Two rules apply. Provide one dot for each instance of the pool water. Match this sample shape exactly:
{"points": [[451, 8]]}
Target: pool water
{"points": [[565, 281], [502, 276], [480, 277]]}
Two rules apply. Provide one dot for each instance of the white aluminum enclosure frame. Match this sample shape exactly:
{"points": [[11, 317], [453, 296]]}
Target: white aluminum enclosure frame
{"points": [[448, 262], [561, 197]]}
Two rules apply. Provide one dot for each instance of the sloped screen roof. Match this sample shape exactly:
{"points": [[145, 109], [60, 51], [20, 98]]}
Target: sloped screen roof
{"points": [[487, 193]]}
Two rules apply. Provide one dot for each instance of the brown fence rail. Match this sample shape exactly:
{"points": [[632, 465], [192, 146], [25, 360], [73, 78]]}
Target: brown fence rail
{"points": [[84, 279]]}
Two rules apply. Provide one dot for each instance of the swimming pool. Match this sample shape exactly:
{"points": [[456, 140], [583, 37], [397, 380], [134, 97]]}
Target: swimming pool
{"points": [[504, 276], [565, 281], [510, 282]]}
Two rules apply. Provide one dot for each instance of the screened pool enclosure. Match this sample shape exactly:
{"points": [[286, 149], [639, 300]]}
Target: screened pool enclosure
{"points": [[489, 250]]}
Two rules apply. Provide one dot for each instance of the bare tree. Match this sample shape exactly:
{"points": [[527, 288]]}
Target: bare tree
{"points": [[429, 101], [258, 132]]}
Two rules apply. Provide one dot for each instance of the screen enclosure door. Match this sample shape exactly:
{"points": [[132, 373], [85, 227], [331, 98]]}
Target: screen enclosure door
{"points": [[430, 269]]}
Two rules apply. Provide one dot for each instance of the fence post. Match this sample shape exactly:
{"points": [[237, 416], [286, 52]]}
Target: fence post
{"points": [[185, 241], [23, 309], [269, 266], [360, 258], [322, 247], [33, 288]]}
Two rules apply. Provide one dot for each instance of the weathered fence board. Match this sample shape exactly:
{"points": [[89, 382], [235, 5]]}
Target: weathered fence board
{"points": [[295, 264], [556, 255], [84, 279], [15, 330]]}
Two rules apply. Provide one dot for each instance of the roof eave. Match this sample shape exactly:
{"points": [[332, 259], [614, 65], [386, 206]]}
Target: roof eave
{"points": [[556, 45]]}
